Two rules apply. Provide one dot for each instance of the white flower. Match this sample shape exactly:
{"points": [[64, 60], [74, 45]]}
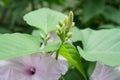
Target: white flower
{"points": [[33, 67], [104, 72]]}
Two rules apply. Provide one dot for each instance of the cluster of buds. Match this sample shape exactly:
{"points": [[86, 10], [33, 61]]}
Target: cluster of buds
{"points": [[45, 38], [64, 27]]}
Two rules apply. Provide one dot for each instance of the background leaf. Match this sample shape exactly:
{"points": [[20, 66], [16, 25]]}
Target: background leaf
{"points": [[108, 26], [102, 45], [44, 19], [92, 8], [13, 45], [112, 14]]}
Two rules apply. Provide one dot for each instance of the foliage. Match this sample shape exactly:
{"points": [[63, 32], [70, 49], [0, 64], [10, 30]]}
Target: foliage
{"points": [[104, 49], [44, 22], [13, 45], [88, 13]]}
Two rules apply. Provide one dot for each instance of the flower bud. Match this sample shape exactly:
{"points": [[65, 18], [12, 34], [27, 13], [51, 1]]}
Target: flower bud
{"points": [[58, 28], [65, 21], [42, 36], [73, 24], [60, 23], [69, 35], [47, 37], [66, 38], [70, 21], [57, 32]]}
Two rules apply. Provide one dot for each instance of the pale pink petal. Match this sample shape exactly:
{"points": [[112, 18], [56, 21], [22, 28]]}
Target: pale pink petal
{"points": [[6, 73], [52, 68], [104, 72], [44, 66]]}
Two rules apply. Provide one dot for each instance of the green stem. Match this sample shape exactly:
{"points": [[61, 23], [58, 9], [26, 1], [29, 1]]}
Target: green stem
{"points": [[45, 42], [57, 52]]}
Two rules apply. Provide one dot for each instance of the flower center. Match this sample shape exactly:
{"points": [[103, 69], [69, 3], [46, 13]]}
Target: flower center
{"points": [[31, 71]]}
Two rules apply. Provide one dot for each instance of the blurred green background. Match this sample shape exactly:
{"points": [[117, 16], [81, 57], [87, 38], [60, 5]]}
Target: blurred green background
{"points": [[96, 14]]}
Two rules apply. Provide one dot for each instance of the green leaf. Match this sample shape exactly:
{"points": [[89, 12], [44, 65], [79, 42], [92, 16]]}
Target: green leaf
{"points": [[6, 2], [108, 26], [44, 19], [73, 74], [70, 53], [102, 45], [59, 2], [53, 46], [75, 37], [14, 45], [92, 8], [3, 29], [37, 34], [91, 68], [112, 14]]}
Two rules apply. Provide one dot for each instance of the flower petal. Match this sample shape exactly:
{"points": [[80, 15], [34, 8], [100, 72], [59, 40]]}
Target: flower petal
{"points": [[104, 72], [46, 67]]}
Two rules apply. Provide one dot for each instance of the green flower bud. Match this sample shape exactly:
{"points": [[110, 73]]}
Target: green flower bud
{"points": [[57, 32], [69, 35], [73, 24], [65, 21], [66, 38], [70, 21], [42, 36], [58, 28], [60, 23], [47, 37]]}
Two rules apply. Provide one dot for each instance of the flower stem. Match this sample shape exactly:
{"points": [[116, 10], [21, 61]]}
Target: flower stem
{"points": [[57, 52]]}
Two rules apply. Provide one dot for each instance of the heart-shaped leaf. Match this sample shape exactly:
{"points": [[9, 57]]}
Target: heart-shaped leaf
{"points": [[44, 19], [102, 45], [13, 45]]}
